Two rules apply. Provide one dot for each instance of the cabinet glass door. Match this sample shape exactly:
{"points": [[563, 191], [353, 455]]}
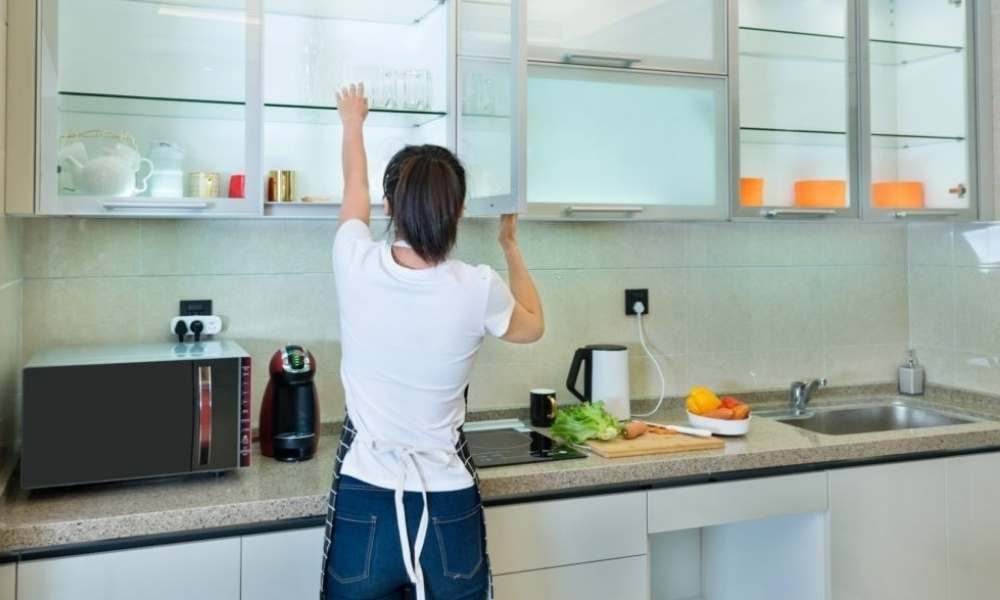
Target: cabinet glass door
{"points": [[491, 100], [143, 106], [683, 35], [796, 127], [311, 49], [918, 74], [620, 144]]}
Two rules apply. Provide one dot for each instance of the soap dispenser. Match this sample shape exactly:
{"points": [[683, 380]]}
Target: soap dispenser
{"points": [[911, 376]]}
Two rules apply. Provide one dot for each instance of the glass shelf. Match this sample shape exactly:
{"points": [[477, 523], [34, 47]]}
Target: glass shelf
{"points": [[817, 47], [807, 137], [202, 108], [148, 106], [327, 115], [401, 12]]}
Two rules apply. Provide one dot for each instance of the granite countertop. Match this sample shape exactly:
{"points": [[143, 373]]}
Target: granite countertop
{"points": [[270, 491]]}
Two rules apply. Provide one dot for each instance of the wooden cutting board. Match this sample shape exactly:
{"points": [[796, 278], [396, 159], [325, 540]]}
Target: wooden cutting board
{"points": [[652, 443]]}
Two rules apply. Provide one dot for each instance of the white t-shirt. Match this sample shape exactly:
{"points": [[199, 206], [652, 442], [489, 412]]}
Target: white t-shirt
{"points": [[409, 340]]}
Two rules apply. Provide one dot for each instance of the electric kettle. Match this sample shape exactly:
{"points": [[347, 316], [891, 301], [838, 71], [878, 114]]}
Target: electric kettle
{"points": [[605, 378]]}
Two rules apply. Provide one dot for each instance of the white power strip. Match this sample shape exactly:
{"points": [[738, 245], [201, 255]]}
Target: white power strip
{"points": [[212, 324]]}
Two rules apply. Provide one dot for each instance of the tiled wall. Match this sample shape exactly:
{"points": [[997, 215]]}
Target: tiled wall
{"points": [[954, 289], [10, 327], [734, 306]]}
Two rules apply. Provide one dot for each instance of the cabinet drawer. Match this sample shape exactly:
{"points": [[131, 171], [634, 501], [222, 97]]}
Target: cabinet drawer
{"points": [[540, 535], [730, 502], [622, 578], [286, 564], [195, 571], [8, 581]]}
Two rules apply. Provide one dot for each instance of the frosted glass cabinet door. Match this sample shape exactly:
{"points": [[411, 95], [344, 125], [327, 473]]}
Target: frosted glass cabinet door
{"points": [[795, 125], [491, 104], [918, 66], [684, 35], [143, 106], [625, 144]]}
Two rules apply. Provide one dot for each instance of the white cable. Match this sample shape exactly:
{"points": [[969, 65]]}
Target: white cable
{"points": [[659, 371]]}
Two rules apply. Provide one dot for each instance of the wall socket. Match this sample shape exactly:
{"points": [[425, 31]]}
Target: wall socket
{"points": [[633, 296]]}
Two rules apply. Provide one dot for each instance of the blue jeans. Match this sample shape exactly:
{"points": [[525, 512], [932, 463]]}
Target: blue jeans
{"points": [[366, 562]]}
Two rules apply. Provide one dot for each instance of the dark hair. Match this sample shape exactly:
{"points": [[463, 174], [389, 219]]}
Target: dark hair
{"points": [[425, 188]]}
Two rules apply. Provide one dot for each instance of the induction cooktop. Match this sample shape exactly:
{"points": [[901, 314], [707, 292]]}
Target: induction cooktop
{"points": [[511, 443]]}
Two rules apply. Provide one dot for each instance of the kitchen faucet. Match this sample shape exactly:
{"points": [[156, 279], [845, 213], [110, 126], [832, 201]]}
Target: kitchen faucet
{"points": [[801, 392]]}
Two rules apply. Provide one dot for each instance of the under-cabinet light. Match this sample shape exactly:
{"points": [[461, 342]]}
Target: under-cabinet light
{"points": [[211, 15]]}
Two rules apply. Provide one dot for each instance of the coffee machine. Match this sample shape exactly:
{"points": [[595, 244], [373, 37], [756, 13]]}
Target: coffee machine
{"points": [[289, 416]]}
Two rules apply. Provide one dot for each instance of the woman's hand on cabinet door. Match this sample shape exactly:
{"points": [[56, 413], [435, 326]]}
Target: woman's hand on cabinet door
{"points": [[508, 231]]}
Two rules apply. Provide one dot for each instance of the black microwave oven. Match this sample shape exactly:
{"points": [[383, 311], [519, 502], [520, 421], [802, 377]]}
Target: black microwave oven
{"points": [[111, 413]]}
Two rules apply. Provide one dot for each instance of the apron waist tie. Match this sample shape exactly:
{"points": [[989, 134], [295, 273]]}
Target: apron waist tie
{"points": [[405, 456]]}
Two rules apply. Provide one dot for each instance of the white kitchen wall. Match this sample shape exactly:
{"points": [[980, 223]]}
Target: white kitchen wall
{"points": [[734, 306]]}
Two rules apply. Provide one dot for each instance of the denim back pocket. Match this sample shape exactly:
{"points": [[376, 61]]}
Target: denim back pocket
{"points": [[461, 542], [353, 546]]}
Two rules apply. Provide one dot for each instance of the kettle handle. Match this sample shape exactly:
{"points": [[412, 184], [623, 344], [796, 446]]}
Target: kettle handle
{"points": [[144, 182], [579, 357]]}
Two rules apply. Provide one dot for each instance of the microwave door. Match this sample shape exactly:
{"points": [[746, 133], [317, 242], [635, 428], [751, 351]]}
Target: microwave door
{"points": [[85, 424]]}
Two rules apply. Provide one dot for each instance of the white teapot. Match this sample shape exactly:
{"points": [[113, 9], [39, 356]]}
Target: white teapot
{"points": [[113, 174]]}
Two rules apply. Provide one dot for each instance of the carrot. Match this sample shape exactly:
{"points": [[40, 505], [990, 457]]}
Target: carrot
{"points": [[741, 411], [634, 429]]}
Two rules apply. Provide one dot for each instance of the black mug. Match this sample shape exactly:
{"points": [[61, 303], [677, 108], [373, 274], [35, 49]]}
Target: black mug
{"points": [[543, 407]]}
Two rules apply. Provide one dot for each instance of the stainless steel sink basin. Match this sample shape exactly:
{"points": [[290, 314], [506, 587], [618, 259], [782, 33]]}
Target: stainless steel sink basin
{"points": [[868, 419]]}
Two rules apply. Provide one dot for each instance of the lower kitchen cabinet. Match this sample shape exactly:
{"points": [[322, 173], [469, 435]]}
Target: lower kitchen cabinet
{"points": [[193, 571], [889, 532], [541, 535], [973, 523], [624, 578], [8, 581], [286, 565]]}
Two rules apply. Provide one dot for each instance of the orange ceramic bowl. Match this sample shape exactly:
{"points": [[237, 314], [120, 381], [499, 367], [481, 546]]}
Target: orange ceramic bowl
{"points": [[820, 193], [751, 191], [898, 194]]}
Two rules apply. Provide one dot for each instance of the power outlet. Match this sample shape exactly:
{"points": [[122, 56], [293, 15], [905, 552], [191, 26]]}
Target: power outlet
{"points": [[633, 296], [191, 308]]}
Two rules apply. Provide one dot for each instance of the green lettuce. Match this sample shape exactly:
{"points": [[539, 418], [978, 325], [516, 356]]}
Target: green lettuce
{"points": [[585, 421]]}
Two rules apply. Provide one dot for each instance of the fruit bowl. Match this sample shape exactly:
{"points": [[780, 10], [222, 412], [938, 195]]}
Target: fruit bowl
{"points": [[725, 427]]}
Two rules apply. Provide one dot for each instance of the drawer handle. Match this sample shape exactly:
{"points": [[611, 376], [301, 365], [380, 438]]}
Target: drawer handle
{"points": [[601, 60], [604, 209], [155, 205], [903, 214], [777, 213]]}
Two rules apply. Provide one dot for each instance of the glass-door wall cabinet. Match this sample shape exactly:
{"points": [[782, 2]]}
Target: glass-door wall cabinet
{"points": [[873, 108], [143, 106], [796, 128], [919, 66], [627, 109], [179, 108]]}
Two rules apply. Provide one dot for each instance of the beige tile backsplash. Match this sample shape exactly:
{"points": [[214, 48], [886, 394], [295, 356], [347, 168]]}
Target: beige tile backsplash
{"points": [[734, 306], [954, 287]]}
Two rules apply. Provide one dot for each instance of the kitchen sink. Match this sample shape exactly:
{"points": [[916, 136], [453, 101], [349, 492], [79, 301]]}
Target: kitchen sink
{"points": [[869, 419]]}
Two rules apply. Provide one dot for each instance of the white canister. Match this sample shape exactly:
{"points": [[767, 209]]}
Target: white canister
{"points": [[168, 170]]}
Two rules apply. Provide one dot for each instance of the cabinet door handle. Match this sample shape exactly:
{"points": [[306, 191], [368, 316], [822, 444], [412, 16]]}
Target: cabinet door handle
{"points": [[905, 214], [157, 205], [203, 418], [777, 213], [604, 209], [601, 60]]}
